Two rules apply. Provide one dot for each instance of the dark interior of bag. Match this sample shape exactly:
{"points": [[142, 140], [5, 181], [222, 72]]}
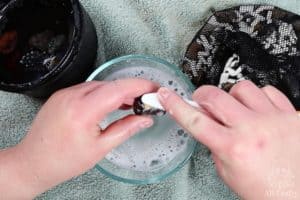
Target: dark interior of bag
{"points": [[34, 37]]}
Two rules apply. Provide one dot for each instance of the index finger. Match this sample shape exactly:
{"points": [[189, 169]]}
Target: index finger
{"points": [[111, 96], [212, 134]]}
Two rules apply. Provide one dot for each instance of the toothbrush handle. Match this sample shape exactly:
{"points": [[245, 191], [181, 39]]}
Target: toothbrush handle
{"points": [[196, 105], [192, 103]]}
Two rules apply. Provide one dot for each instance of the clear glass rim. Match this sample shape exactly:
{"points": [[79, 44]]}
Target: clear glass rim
{"points": [[178, 73]]}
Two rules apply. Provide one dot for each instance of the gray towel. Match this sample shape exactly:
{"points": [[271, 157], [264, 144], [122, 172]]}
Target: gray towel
{"points": [[161, 28]]}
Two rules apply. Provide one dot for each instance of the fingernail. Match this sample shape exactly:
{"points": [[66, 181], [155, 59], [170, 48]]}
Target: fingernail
{"points": [[164, 93], [146, 124]]}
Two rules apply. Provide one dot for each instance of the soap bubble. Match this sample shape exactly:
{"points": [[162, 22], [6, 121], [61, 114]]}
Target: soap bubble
{"points": [[180, 132], [154, 162]]}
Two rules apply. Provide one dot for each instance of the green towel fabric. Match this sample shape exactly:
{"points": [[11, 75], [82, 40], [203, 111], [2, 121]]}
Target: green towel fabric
{"points": [[161, 28]]}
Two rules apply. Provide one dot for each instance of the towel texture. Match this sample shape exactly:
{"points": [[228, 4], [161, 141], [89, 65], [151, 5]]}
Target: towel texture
{"points": [[161, 28]]}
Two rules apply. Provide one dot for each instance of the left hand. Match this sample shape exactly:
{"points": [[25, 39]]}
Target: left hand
{"points": [[65, 139]]}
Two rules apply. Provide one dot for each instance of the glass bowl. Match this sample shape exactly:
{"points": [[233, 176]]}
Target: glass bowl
{"points": [[157, 152]]}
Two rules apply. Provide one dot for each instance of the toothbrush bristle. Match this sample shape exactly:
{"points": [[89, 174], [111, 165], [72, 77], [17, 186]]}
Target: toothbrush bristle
{"points": [[140, 108]]}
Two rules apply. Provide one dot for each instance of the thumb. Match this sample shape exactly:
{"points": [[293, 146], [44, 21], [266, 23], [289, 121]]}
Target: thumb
{"points": [[119, 131]]}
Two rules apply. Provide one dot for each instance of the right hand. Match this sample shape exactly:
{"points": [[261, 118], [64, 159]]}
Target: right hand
{"points": [[253, 135]]}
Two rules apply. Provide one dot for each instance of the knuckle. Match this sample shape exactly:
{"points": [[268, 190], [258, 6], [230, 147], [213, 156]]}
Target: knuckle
{"points": [[211, 94], [204, 91], [67, 101], [269, 88], [60, 96], [213, 99], [197, 93], [241, 87]]}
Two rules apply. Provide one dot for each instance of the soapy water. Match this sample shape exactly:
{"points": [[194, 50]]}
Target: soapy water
{"points": [[155, 147]]}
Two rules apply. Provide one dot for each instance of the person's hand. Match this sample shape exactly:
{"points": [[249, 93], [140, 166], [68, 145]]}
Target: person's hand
{"points": [[65, 139], [254, 136]]}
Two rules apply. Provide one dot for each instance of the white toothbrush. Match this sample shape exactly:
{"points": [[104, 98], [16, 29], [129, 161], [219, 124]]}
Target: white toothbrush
{"points": [[152, 101]]}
